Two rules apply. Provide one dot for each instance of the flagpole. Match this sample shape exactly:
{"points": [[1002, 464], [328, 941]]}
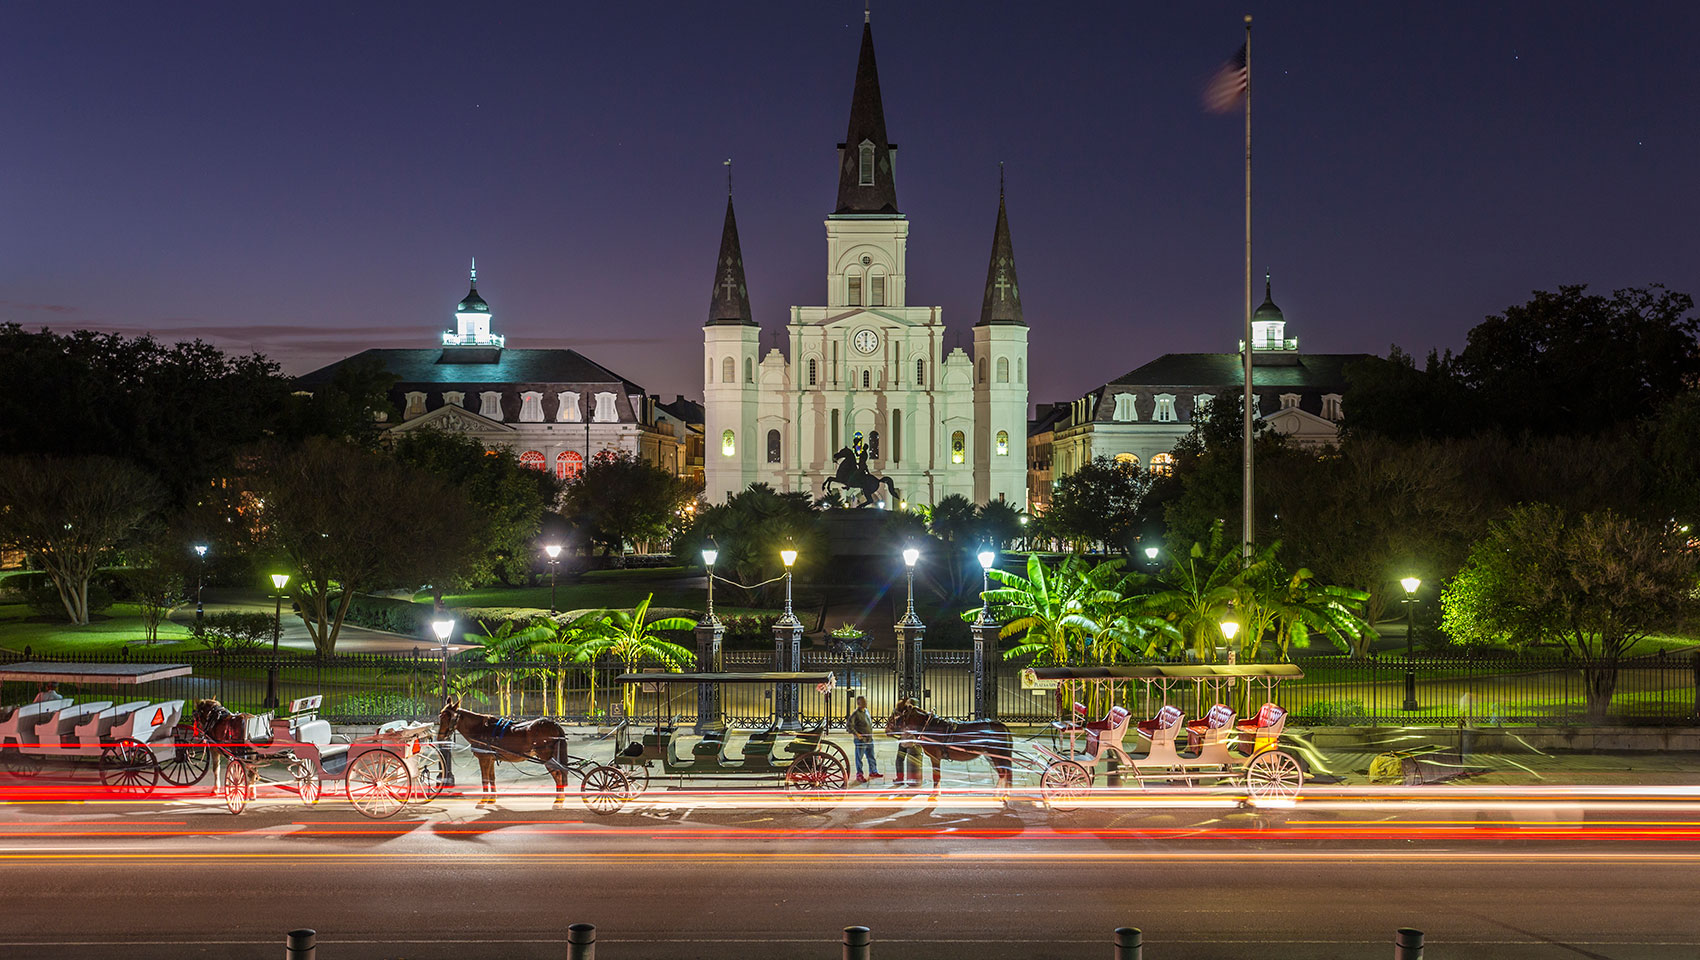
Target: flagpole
{"points": [[1245, 350]]}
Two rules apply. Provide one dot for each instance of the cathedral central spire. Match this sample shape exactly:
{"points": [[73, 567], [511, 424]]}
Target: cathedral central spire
{"points": [[866, 179], [1002, 302], [730, 301]]}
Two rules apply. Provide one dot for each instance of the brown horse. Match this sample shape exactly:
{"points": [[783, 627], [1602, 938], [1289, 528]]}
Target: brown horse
{"points": [[215, 722], [950, 740], [497, 738]]}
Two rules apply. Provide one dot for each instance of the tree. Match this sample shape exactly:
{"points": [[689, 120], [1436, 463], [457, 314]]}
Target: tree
{"points": [[70, 512], [354, 406], [179, 412], [1595, 584], [997, 523], [1208, 478], [349, 520], [749, 530], [509, 499], [1391, 398], [1097, 504], [1050, 610], [1573, 362], [631, 638], [620, 499]]}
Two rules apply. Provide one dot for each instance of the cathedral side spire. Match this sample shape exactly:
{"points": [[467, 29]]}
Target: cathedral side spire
{"points": [[866, 177], [1002, 303], [730, 301]]}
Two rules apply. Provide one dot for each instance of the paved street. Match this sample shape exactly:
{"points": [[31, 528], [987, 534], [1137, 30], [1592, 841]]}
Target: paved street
{"points": [[1606, 872]]}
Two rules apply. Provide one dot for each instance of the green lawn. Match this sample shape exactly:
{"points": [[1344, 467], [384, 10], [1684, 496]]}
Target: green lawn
{"points": [[113, 628], [617, 589]]}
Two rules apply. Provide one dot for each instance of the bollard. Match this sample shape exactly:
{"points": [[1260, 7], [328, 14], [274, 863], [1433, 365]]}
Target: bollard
{"points": [[1408, 944], [1129, 943], [300, 945], [581, 941], [856, 943]]}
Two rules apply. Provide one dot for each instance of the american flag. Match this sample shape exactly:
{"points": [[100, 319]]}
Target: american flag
{"points": [[1228, 85]]}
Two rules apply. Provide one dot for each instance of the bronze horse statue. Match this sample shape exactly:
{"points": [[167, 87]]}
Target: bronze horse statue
{"points": [[540, 740], [952, 740], [853, 474]]}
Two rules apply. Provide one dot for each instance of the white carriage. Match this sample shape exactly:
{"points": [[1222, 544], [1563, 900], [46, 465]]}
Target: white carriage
{"points": [[132, 740]]}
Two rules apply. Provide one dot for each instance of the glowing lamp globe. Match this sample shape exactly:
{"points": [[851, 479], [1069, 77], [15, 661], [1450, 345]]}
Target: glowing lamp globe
{"points": [[1410, 584], [1230, 629], [1150, 553], [789, 556], [987, 558], [280, 580], [553, 550], [442, 628], [910, 555]]}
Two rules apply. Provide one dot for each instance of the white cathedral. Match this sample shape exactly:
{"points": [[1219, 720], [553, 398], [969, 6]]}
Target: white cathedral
{"points": [[867, 367]]}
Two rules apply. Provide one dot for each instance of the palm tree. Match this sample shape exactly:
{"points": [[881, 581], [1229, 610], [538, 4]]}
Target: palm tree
{"points": [[1296, 606], [1051, 611], [559, 643], [627, 637], [501, 647], [1201, 590]]}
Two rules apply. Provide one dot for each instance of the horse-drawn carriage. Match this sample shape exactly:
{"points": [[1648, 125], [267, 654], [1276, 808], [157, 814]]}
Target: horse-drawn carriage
{"points": [[131, 740], [381, 773], [1220, 748], [813, 769]]}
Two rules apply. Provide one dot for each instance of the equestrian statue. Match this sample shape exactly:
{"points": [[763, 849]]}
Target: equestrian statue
{"points": [[853, 473]]}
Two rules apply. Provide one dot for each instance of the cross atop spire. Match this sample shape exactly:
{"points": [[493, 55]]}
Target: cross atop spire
{"points": [[729, 302], [866, 178], [475, 271], [1002, 302]]}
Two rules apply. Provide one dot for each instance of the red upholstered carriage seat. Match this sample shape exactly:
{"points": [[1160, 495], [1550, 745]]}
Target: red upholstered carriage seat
{"points": [[1269, 716], [1219, 716], [1165, 718]]}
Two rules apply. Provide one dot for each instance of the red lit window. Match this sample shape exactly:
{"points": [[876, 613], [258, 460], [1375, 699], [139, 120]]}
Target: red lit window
{"points": [[568, 465], [532, 460]]}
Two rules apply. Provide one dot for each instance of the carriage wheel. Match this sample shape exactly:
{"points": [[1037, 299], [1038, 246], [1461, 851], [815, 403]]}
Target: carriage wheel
{"points": [[603, 789], [814, 780], [238, 782], [18, 763], [637, 779], [428, 773], [308, 786], [187, 763], [379, 784], [129, 767], [1063, 783], [1273, 775]]}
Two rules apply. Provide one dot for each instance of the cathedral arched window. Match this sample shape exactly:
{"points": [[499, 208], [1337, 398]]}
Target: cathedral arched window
{"points": [[1020, 369], [982, 369], [874, 452], [865, 165], [897, 436], [853, 296], [834, 419], [876, 290], [532, 460], [773, 446], [1003, 443], [1163, 463], [728, 444], [921, 372], [749, 370], [865, 378], [958, 447], [708, 375], [814, 372], [1003, 369], [728, 370], [569, 464]]}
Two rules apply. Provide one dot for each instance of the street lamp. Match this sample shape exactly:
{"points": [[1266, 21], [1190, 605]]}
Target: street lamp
{"points": [[710, 553], [200, 579], [1410, 584], [554, 552], [910, 556], [986, 557], [279, 580], [443, 628], [1230, 629], [788, 555]]}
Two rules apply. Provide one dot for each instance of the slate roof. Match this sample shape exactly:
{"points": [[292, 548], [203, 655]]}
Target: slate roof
{"points": [[867, 122], [688, 411], [1315, 371], [1002, 301], [729, 302], [512, 366]]}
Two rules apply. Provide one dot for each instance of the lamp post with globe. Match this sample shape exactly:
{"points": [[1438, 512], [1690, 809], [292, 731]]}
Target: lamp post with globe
{"points": [[788, 644], [709, 633], [444, 628], [1411, 585], [985, 632], [279, 581], [200, 581], [554, 552]]}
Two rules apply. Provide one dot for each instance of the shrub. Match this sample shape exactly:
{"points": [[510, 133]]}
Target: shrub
{"points": [[1330, 713], [37, 591], [233, 632], [391, 615]]}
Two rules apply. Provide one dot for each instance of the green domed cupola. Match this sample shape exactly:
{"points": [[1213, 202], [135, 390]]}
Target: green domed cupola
{"points": [[472, 320], [1268, 326]]}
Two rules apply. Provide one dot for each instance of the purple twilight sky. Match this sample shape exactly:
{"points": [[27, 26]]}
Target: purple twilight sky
{"points": [[309, 180]]}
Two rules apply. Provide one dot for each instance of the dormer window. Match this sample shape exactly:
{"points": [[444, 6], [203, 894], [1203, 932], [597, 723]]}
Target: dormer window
{"points": [[605, 412], [1124, 412], [1289, 401], [415, 405], [1165, 412], [454, 398], [1331, 407], [1201, 405], [531, 407], [567, 411], [866, 166], [490, 404]]}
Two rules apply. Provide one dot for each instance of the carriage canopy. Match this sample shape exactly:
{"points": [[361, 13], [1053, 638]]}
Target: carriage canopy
{"points": [[125, 674]]}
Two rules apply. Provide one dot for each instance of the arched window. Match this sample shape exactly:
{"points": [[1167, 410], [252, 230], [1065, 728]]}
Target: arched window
{"points": [[1163, 463], [708, 375], [982, 369], [876, 290], [865, 376], [1020, 369], [1127, 462], [1003, 443], [834, 431], [958, 447], [921, 373], [728, 370], [728, 444], [749, 370], [897, 437], [1003, 369], [532, 460], [569, 464], [814, 372], [866, 165], [874, 452], [773, 446], [854, 296]]}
